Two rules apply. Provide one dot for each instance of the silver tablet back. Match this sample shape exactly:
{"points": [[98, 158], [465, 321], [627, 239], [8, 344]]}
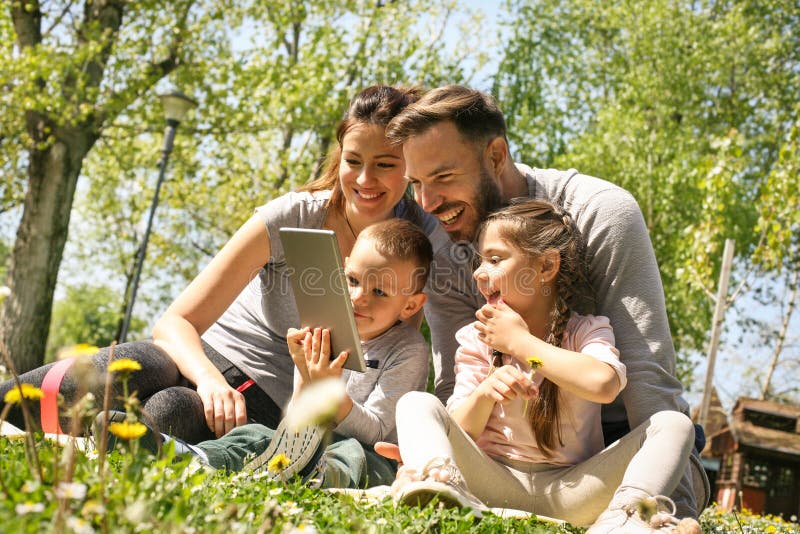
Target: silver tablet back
{"points": [[320, 289]]}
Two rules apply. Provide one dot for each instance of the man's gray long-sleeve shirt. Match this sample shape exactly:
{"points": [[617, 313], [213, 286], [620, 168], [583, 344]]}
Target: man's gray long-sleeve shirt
{"points": [[624, 276]]}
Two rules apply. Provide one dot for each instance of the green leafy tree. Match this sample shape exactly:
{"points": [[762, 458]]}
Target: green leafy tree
{"points": [[685, 104], [272, 79]]}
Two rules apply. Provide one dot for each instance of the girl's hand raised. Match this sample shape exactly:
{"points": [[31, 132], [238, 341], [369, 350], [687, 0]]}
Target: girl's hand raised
{"points": [[506, 384], [500, 327]]}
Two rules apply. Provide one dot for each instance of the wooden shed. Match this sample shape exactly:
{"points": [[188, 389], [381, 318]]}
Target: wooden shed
{"points": [[757, 455]]}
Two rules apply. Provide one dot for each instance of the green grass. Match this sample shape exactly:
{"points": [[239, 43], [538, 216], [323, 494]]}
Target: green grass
{"points": [[137, 493]]}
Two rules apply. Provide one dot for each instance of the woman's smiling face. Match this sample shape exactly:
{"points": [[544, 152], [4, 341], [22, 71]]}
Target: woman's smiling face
{"points": [[371, 173]]}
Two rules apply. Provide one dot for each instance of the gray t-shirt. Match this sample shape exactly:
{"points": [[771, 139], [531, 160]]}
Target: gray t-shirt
{"points": [[251, 333]]}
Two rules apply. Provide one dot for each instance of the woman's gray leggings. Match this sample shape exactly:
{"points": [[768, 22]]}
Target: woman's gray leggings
{"points": [[168, 399]]}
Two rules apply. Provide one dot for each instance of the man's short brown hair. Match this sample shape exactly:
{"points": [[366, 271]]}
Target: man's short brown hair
{"points": [[474, 113]]}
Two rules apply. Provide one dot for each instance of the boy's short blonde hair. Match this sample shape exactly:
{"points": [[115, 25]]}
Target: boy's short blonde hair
{"points": [[402, 240]]}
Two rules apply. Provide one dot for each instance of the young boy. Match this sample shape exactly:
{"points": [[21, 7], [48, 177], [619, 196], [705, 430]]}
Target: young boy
{"points": [[386, 273]]}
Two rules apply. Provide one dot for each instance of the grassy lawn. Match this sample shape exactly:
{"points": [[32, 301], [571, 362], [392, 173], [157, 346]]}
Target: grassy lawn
{"points": [[137, 493]]}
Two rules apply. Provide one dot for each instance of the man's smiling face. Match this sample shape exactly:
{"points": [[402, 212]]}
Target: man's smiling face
{"points": [[452, 179]]}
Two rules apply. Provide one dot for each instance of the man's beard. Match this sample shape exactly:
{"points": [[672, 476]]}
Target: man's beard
{"points": [[485, 199], [488, 198]]}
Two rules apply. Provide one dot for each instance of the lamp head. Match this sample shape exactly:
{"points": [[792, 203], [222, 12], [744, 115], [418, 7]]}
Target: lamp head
{"points": [[176, 104]]}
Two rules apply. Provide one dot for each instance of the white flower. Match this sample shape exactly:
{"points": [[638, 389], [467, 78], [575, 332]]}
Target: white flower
{"points": [[316, 404], [136, 512], [275, 491], [71, 490], [30, 486], [79, 526], [304, 528], [28, 507], [4, 292]]}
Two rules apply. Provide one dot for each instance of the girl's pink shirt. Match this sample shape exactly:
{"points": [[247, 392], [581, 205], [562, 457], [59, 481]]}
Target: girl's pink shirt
{"points": [[507, 433]]}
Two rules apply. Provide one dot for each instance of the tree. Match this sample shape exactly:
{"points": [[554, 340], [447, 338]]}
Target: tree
{"points": [[272, 79], [69, 70], [685, 104]]}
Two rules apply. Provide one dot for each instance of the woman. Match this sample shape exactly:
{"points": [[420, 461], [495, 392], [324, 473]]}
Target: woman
{"points": [[218, 357]]}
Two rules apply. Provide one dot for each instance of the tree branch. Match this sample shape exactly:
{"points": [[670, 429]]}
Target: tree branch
{"points": [[58, 19], [745, 283], [152, 73]]}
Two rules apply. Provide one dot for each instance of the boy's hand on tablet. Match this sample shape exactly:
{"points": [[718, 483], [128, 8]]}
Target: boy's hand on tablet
{"points": [[317, 347], [295, 339]]}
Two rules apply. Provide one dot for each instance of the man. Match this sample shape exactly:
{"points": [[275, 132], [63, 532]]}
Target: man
{"points": [[458, 162]]}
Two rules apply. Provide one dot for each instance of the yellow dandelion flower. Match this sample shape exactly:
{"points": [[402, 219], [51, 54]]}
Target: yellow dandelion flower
{"points": [[127, 430], [30, 392], [535, 362], [124, 365], [81, 349], [278, 463]]}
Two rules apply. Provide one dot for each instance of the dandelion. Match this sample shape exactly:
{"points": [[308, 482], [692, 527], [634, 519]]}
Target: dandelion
{"points": [[316, 404], [92, 508], [136, 512], [30, 486], [127, 430], [79, 526], [124, 365], [535, 363], [71, 490], [28, 391], [81, 349], [28, 507], [278, 463]]}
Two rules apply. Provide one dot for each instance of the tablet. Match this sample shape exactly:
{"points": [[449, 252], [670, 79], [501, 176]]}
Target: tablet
{"points": [[320, 289]]}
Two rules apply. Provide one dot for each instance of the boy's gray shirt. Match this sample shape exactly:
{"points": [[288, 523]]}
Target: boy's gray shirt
{"points": [[397, 362], [627, 285]]}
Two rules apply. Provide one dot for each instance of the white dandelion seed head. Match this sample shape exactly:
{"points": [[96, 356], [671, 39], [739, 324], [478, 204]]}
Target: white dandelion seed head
{"points": [[79, 526], [29, 507], [316, 404], [71, 490]]}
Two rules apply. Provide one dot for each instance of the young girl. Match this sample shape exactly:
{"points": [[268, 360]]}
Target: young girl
{"points": [[530, 438]]}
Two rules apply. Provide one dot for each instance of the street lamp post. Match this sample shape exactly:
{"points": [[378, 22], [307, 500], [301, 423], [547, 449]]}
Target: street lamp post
{"points": [[176, 104]]}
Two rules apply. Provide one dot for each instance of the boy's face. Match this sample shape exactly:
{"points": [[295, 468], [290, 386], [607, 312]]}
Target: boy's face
{"points": [[382, 290]]}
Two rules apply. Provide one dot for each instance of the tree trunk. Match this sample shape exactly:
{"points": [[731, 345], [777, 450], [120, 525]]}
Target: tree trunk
{"points": [[42, 233]]}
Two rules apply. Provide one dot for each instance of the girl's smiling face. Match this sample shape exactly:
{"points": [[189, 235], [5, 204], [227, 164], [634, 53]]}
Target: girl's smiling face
{"points": [[506, 272]]}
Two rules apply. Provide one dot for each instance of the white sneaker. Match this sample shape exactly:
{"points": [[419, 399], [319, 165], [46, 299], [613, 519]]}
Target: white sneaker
{"points": [[302, 450], [649, 515], [440, 481]]}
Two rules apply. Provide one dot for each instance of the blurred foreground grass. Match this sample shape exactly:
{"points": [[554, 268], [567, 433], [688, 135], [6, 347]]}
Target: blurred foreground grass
{"points": [[137, 493]]}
